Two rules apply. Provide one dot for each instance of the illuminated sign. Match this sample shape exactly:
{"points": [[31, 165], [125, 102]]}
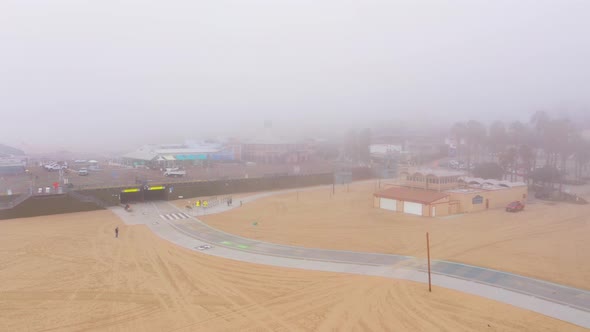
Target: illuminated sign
{"points": [[156, 188], [132, 190]]}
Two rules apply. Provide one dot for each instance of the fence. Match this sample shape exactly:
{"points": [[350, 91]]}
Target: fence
{"points": [[43, 205], [87, 199], [16, 201]]}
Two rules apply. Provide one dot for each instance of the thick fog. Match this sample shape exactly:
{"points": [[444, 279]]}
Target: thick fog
{"points": [[95, 74]]}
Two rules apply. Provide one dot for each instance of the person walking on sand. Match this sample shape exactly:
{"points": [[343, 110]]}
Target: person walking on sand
{"points": [[117, 232]]}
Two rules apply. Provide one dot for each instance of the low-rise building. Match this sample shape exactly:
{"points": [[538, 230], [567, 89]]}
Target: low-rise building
{"points": [[431, 179], [270, 149], [15, 167], [435, 193], [12, 160], [175, 155], [414, 201]]}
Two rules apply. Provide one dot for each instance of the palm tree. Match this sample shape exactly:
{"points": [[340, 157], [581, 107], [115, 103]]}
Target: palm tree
{"points": [[581, 150], [540, 120], [508, 160], [458, 132], [526, 155], [498, 138], [476, 135]]}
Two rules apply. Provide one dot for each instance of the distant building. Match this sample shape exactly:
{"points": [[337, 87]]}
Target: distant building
{"points": [[12, 160], [267, 148], [404, 147], [431, 179], [12, 168], [10, 152], [175, 155], [385, 151], [422, 145]]}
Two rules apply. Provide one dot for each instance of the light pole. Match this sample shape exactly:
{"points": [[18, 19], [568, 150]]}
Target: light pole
{"points": [[428, 254]]}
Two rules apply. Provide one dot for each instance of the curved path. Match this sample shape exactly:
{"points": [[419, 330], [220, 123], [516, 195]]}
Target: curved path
{"points": [[554, 300]]}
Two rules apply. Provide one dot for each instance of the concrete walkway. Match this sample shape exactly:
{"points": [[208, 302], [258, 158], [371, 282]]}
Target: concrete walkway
{"points": [[178, 226]]}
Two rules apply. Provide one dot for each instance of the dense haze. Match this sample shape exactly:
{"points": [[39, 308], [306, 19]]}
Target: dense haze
{"points": [[115, 74]]}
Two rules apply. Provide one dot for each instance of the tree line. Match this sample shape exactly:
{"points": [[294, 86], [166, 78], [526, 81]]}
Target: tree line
{"points": [[542, 148]]}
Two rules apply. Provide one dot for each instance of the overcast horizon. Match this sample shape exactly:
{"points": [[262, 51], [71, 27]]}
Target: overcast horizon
{"points": [[113, 75]]}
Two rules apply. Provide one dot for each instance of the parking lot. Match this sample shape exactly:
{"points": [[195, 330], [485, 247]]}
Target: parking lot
{"points": [[109, 175]]}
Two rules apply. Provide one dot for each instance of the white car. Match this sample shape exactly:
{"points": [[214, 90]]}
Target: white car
{"points": [[204, 247], [51, 167], [175, 173], [54, 166]]}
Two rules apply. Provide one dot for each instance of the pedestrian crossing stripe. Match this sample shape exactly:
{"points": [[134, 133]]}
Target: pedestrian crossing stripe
{"points": [[174, 216]]}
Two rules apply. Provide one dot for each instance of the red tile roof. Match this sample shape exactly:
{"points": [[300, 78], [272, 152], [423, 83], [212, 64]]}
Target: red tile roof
{"points": [[411, 195]]}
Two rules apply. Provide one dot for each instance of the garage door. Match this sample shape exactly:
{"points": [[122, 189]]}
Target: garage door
{"points": [[388, 204], [413, 208]]}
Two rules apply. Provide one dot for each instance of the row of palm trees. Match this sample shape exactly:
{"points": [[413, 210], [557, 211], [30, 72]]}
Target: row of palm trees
{"points": [[543, 142]]}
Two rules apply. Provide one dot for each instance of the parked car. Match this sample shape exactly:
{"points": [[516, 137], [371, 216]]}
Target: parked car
{"points": [[515, 206], [53, 167], [175, 173], [82, 172]]}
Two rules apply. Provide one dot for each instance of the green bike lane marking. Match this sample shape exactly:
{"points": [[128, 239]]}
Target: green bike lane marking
{"points": [[231, 244]]}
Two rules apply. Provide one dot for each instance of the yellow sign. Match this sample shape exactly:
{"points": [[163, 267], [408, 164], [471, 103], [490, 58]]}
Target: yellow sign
{"points": [[132, 190], [156, 188], [198, 203]]}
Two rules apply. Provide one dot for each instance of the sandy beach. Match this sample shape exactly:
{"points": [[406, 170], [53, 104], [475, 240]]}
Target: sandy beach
{"points": [[69, 273]]}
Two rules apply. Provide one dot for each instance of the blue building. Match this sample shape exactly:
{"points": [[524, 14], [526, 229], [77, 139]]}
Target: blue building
{"points": [[178, 155]]}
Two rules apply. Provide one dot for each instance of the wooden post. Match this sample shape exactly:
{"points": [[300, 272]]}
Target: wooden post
{"points": [[428, 253]]}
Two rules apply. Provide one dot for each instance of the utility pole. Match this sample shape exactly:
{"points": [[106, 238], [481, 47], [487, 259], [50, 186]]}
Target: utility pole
{"points": [[428, 253]]}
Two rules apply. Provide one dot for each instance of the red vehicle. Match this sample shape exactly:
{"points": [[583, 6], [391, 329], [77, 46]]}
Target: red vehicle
{"points": [[515, 206]]}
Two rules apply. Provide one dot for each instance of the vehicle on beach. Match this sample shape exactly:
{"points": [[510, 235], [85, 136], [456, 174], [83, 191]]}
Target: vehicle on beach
{"points": [[515, 207]]}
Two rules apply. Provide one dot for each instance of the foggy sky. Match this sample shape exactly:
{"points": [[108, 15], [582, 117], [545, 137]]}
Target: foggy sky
{"points": [[93, 74]]}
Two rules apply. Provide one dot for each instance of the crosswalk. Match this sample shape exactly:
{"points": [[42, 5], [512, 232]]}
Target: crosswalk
{"points": [[174, 216]]}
